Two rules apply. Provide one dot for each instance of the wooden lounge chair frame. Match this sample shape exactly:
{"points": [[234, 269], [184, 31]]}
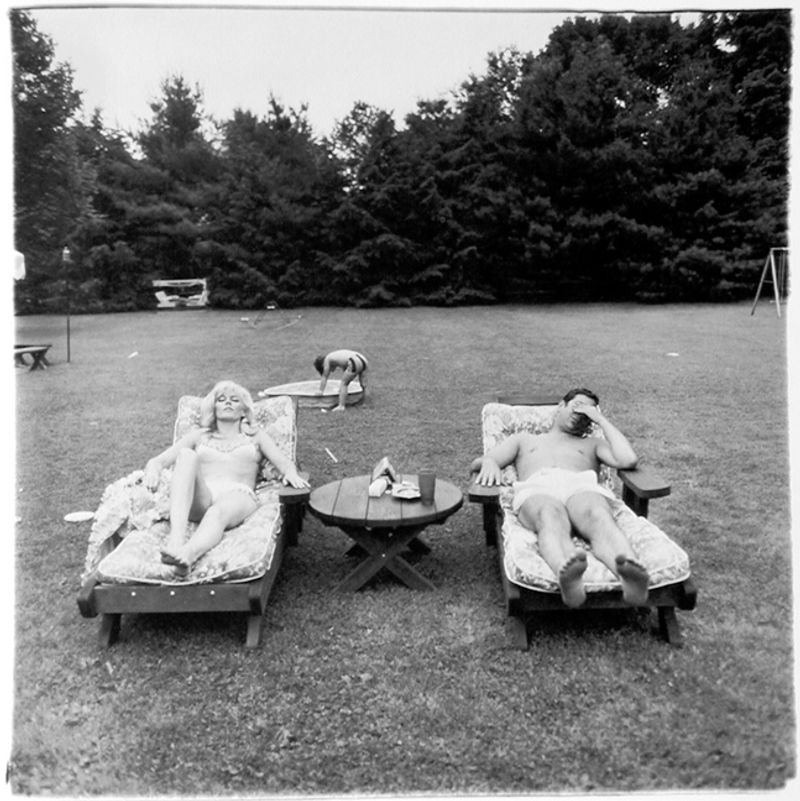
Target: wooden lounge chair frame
{"points": [[110, 601], [638, 487]]}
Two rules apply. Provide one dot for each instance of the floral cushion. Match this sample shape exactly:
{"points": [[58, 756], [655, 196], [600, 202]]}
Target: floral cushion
{"points": [[665, 561], [141, 517], [244, 553]]}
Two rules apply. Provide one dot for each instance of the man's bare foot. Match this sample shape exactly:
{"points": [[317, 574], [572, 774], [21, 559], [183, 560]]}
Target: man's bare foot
{"points": [[634, 579], [176, 561], [570, 579], [338, 409]]}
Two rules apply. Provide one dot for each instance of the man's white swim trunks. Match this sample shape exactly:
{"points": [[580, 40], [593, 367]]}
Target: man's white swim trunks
{"points": [[557, 483]]}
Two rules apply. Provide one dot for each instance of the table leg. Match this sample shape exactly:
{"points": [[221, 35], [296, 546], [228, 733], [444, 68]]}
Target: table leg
{"points": [[411, 577], [419, 546], [384, 547], [415, 546], [365, 570]]}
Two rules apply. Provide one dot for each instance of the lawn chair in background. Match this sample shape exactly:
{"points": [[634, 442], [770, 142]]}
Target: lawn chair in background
{"points": [[528, 582], [124, 572]]}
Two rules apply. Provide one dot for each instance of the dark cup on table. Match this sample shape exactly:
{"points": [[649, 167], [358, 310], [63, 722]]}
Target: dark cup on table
{"points": [[427, 484]]}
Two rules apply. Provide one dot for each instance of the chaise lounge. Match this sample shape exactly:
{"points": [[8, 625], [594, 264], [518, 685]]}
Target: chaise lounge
{"points": [[529, 585], [124, 574]]}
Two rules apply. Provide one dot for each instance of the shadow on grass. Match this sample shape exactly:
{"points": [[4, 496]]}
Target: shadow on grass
{"points": [[587, 624]]}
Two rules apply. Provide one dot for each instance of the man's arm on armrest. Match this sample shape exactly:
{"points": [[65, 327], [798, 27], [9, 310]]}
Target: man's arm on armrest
{"points": [[479, 493]]}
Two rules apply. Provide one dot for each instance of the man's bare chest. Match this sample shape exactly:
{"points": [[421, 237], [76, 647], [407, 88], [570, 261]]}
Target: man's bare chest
{"points": [[556, 450]]}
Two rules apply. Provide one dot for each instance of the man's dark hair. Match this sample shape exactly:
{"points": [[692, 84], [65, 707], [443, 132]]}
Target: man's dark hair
{"points": [[319, 363], [580, 391]]}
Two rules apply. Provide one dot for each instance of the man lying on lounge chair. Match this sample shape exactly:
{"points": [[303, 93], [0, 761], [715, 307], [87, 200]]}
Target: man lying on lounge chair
{"points": [[558, 490]]}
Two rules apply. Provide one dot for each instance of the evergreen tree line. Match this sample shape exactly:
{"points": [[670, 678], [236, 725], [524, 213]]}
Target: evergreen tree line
{"points": [[630, 160]]}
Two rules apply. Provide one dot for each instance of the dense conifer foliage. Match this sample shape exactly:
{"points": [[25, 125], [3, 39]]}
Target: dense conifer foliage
{"points": [[632, 159]]}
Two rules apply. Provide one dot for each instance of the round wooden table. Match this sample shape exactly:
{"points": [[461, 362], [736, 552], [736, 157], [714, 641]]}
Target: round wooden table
{"points": [[383, 527]]}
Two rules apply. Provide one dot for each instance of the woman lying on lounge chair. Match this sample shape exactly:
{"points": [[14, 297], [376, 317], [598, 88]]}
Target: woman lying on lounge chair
{"points": [[214, 478]]}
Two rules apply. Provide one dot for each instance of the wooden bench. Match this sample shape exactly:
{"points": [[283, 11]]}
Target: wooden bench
{"points": [[38, 354]]}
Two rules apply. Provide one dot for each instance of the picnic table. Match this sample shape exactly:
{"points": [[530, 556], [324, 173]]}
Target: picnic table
{"points": [[382, 527], [38, 354]]}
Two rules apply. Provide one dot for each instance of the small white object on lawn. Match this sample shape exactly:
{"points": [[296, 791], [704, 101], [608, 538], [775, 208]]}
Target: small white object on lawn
{"points": [[78, 517]]}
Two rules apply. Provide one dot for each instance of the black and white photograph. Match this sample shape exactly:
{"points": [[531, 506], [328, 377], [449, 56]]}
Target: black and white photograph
{"points": [[402, 400]]}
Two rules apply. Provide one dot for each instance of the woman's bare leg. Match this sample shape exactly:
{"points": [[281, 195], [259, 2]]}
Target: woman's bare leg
{"points": [[229, 510], [188, 498]]}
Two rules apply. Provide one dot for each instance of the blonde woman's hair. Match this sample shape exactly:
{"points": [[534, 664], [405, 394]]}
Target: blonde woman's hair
{"points": [[208, 417]]}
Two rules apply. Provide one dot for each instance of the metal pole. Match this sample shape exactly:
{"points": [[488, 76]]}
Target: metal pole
{"points": [[66, 259], [760, 285]]}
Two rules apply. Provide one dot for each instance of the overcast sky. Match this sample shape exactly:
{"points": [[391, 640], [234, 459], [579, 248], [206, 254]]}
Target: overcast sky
{"points": [[326, 58]]}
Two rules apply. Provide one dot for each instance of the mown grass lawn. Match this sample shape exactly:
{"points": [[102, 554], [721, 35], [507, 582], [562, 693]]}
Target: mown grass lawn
{"points": [[389, 690]]}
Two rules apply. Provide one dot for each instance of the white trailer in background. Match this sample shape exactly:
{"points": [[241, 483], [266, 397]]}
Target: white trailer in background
{"points": [[181, 293]]}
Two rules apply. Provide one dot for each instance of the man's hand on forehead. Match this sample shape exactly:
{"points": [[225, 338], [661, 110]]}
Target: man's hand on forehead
{"points": [[586, 407]]}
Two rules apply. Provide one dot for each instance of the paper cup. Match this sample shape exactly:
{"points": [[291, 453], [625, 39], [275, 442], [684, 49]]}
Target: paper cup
{"points": [[426, 478]]}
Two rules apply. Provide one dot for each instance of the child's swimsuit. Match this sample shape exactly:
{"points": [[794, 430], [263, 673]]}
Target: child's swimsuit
{"points": [[558, 483], [226, 470], [356, 364]]}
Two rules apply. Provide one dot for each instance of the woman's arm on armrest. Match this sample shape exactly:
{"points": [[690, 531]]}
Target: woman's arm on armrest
{"points": [[292, 495]]}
